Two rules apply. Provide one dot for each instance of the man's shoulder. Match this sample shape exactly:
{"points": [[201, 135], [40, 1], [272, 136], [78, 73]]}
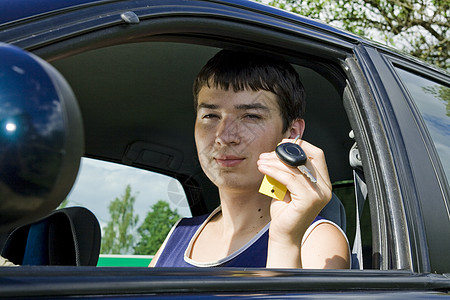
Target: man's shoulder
{"points": [[193, 221], [198, 220], [5, 263]]}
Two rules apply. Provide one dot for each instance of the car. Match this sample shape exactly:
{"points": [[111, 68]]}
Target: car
{"points": [[120, 74]]}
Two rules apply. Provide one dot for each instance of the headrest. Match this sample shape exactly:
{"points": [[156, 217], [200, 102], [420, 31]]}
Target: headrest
{"points": [[67, 237]]}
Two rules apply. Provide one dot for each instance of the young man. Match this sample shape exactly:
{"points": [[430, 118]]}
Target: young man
{"points": [[246, 105]]}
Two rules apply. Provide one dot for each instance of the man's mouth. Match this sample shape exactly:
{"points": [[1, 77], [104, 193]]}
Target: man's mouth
{"points": [[228, 161]]}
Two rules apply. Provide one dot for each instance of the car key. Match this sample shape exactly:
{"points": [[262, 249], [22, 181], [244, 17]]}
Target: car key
{"points": [[293, 155]]}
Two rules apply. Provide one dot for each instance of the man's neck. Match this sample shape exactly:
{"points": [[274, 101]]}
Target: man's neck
{"points": [[243, 211]]}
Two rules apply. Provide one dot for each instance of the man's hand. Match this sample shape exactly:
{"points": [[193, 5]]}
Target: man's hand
{"points": [[302, 203]]}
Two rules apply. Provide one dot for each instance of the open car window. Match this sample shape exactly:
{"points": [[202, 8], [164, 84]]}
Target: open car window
{"points": [[137, 103]]}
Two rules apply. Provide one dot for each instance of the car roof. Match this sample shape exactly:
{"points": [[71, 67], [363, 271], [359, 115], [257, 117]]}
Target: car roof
{"points": [[12, 11], [22, 9]]}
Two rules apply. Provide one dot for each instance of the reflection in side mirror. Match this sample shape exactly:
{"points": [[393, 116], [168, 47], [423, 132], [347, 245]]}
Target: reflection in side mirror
{"points": [[41, 137]]}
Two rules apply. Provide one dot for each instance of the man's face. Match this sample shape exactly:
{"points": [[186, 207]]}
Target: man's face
{"points": [[231, 131]]}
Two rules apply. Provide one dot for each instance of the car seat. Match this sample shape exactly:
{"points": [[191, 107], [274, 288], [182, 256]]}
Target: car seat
{"points": [[69, 236], [334, 211]]}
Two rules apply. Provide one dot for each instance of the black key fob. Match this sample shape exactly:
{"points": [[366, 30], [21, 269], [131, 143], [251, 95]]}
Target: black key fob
{"points": [[291, 154]]}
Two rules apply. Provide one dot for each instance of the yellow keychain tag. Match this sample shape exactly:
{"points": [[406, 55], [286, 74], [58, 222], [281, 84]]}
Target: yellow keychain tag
{"points": [[272, 188]]}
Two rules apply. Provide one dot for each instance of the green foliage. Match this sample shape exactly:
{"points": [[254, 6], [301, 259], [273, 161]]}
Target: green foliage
{"points": [[419, 27], [117, 235], [155, 228], [64, 203]]}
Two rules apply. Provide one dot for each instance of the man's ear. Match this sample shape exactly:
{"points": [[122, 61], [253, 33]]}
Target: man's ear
{"points": [[297, 128]]}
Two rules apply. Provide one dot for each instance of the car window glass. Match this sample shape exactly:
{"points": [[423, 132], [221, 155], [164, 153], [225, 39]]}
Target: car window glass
{"points": [[154, 202], [433, 102]]}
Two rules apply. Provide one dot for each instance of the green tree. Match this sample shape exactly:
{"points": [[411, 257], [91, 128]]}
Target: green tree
{"points": [[419, 27], [118, 234], [155, 228]]}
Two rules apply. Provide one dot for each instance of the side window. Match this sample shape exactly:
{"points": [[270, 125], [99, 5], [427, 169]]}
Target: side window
{"points": [[140, 204], [433, 102]]}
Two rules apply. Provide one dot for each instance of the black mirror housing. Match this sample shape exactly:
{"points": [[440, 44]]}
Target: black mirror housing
{"points": [[41, 137]]}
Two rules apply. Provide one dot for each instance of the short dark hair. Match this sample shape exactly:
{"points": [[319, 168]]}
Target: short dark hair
{"points": [[251, 71]]}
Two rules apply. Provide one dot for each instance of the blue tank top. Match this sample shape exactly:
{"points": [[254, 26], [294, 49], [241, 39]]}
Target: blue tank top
{"points": [[252, 255]]}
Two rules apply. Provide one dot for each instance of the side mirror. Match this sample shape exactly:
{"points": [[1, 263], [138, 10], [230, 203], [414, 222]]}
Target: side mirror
{"points": [[41, 138]]}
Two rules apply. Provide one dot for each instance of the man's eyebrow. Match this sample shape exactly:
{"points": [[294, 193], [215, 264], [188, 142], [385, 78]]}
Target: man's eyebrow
{"points": [[252, 106], [239, 106], [208, 106]]}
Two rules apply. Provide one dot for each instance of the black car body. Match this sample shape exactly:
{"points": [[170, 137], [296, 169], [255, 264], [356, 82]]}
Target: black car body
{"points": [[131, 65]]}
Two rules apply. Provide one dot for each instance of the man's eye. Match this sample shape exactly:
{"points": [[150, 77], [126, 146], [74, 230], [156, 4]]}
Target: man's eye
{"points": [[252, 117], [209, 116]]}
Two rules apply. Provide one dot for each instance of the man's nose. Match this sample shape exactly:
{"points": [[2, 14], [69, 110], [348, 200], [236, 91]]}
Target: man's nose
{"points": [[228, 132]]}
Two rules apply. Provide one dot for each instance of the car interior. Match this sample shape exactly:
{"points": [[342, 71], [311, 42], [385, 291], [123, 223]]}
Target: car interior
{"points": [[137, 108]]}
